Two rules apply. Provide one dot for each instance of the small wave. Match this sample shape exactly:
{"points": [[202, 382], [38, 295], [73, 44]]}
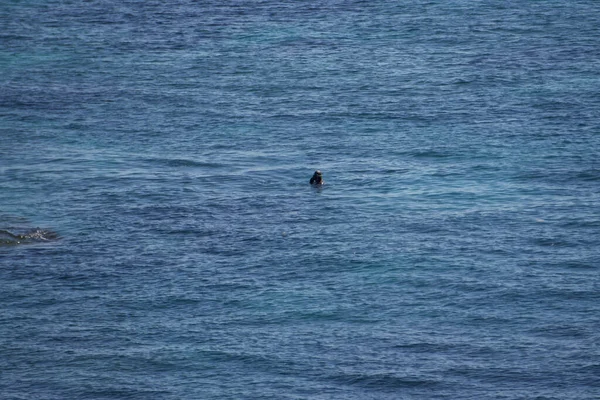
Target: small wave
{"points": [[552, 242], [181, 162], [384, 381], [430, 154], [11, 236], [588, 175]]}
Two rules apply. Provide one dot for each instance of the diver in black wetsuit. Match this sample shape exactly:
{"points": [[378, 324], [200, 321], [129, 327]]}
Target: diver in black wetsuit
{"points": [[317, 178]]}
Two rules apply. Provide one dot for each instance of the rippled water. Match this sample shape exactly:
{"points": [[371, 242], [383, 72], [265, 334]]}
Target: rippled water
{"points": [[159, 238]]}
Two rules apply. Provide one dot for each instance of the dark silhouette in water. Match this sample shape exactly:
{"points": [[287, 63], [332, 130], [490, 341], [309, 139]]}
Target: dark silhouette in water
{"points": [[317, 178]]}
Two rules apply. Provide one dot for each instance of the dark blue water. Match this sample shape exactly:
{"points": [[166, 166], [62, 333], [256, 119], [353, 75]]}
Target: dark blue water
{"points": [[159, 239]]}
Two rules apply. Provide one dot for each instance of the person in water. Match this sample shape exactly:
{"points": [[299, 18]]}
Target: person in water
{"points": [[317, 178]]}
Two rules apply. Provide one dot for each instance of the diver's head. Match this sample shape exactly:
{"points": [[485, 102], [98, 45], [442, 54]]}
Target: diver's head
{"points": [[317, 177]]}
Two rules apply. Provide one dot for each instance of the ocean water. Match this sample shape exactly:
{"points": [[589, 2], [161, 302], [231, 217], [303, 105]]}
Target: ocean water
{"points": [[159, 238]]}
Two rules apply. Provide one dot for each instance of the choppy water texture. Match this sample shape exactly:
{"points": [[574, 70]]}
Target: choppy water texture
{"points": [[159, 239]]}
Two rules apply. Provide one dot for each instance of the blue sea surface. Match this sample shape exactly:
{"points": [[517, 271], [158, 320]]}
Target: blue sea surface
{"points": [[159, 238]]}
